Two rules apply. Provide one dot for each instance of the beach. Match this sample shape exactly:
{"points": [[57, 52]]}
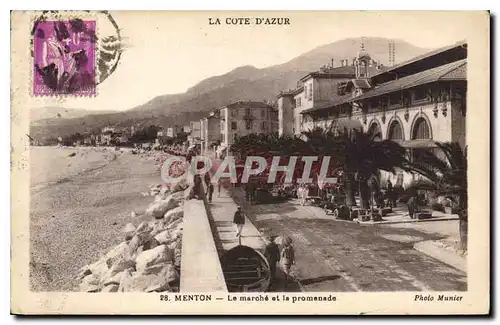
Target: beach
{"points": [[79, 206]]}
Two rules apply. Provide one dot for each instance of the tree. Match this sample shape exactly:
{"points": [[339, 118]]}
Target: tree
{"points": [[445, 172], [367, 156]]}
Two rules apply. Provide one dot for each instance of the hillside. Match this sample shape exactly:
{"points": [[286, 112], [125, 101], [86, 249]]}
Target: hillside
{"points": [[243, 83], [41, 113]]}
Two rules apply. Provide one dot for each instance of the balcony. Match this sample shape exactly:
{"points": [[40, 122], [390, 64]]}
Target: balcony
{"points": [[248, 117]]}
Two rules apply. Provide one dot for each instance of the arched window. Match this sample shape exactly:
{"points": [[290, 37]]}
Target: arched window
{"points": [[395, 131], [421, 129], [375, 130]]}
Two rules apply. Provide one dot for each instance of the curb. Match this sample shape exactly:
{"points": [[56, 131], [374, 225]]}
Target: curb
{"points": [[430, 248], [387, 222]]}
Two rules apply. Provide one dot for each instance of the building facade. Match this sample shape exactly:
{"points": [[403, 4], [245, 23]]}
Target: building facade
{"points": [[246, 117], [286, 108], [173, 131], [317, 90], [194, 138], [210, 131], [415, 103]]}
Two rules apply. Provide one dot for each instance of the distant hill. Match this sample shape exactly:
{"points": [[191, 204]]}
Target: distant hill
{"points": [[40, 113], [242, 83]]}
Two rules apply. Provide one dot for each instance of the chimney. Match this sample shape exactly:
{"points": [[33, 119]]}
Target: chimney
{"points": [[332, 63]]}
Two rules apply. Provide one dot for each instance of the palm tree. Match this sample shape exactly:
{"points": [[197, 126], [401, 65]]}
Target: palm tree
{"points": [[364, 157], [445, 172]]}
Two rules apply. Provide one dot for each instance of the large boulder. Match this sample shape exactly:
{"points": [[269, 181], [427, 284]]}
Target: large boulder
{"points": [[180, 186], [143, 227], [175, 225], [84, 271], [158, 209], [165, 237], [176, 233], [116, 253], [143, 231], [158, 225], [111, 288], [178, 196], [150, 244], [134, 244], [155, 268], [151, 282], [129, 231], [153, 256], [100, 268], [90, 283], [177, 257], [125, 281], [115, 279], [121, 264], [174, 214]]}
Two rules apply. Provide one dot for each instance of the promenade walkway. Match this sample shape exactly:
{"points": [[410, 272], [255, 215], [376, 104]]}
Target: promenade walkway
{"points": [[224, 231]]}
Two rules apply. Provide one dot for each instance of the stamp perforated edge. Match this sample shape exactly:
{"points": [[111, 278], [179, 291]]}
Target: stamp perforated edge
{"points": [[62, 15]]}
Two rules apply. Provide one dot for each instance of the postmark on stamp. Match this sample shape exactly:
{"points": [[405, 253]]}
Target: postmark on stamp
{"points": [[65, 57]]}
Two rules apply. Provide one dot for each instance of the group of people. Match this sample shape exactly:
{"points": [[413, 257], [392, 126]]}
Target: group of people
{"points": [[250, 193], [285, 256], [303, 193]]}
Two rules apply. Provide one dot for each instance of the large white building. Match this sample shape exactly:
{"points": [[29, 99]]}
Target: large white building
{"points": [[313, 92], [246, 117], [210, 131], [414, 103]]}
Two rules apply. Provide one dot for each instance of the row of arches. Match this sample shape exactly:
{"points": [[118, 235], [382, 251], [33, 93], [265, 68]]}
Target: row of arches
{"points": [[421, 130]]}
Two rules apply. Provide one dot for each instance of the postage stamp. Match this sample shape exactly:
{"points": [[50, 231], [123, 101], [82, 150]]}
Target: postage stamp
{"points": [[250, 163], [65, 58]]}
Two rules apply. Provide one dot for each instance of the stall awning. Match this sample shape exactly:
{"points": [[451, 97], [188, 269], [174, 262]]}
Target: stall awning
{"points": [[341, 124], [221, 148], [424, 143]]}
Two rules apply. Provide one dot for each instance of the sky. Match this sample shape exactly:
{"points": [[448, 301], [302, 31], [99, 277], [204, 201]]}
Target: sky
{"points": [[168, 52]]}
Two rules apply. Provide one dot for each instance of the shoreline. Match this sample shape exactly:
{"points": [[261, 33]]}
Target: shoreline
{"points": [[74, 221]]}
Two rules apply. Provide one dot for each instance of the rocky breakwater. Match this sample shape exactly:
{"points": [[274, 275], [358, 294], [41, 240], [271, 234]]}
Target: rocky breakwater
{"points": [[149, 258]]}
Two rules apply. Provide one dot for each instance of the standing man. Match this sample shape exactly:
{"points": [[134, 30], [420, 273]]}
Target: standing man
{"points": [[239, 221], [207, 178], [218, 188], [390, 194], [287, 257], [412, 206], [272, 253], [210, 189]]}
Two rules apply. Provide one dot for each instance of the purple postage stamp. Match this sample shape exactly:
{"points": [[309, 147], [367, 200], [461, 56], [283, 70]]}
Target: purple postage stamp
{"points": [[64, 58]]}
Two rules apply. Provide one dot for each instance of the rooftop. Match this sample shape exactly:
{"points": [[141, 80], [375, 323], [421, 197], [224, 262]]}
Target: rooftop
{"points": [[327, 104], [248, 104], [347, 71], [449, 72], [424, 56]]}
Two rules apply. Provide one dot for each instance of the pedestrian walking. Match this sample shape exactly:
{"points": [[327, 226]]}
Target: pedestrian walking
{"points": [[412, 206], [210, 192], [207, 178], [239, 221], [252, 194], [247, 193], [287, 257], [272, 253], [218, 188]]}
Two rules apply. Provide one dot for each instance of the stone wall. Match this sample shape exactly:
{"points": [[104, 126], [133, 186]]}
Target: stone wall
{"points": [[149, 257]]}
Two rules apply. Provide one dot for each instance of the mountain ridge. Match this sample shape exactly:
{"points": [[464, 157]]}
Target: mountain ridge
{"points": [[242, 83]]}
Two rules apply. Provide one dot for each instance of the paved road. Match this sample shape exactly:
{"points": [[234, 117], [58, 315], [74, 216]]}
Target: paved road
{"points": [[335, 255]]}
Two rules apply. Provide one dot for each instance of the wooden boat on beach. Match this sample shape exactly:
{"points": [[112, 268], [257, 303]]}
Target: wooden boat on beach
{"points": [[245, 270]]}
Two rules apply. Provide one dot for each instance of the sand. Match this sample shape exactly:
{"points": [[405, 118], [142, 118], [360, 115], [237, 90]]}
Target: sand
{"points": [[78, 207]]}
